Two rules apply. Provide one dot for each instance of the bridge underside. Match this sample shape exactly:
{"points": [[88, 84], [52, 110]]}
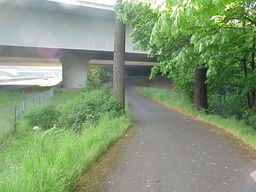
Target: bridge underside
{"points": [[74, 35], [74, 62]]}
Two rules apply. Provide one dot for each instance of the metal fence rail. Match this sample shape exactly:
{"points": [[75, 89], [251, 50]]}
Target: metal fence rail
{"points": [[10, 116]]}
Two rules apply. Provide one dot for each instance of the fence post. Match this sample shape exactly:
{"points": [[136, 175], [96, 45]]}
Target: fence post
{"points": [[23, 106], [49, 95], [15, 118]]}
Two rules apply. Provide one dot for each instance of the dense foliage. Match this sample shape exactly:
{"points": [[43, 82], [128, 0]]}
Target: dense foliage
{"points": [[86, 107], [99, 75], [93, 102], [187, 35], [44, 116]]}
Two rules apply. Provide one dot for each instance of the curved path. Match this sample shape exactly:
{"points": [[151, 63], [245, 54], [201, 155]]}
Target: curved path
{"points": [[171, 152]]}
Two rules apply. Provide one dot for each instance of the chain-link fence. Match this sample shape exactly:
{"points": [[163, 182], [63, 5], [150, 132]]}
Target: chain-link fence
{"points": [[10, 116]]}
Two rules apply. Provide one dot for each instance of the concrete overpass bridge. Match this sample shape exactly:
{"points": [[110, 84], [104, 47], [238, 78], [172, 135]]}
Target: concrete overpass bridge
{"points": [[75, 34]]}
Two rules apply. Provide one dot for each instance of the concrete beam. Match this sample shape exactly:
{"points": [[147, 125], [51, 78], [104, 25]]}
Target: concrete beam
{"points": [[106, 63], [29, 27], [27, 61], [52, 53]]}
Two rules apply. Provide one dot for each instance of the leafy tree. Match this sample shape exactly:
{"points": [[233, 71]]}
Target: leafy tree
{"points": [[141, 18], [188, 35]]}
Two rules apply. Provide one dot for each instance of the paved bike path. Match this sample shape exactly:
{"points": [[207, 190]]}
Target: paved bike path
{"points": [[171, 152]]}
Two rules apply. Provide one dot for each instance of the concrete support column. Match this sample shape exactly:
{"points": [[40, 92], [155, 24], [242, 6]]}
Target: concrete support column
{"points": [[74, 69]]}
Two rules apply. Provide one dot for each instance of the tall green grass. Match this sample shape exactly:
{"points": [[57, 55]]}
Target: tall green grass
{"points": [[54, 160], [6, 126], [181, 102], [7, 99]]}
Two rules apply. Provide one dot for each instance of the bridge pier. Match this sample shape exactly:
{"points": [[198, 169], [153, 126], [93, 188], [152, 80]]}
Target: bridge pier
{"points": [[74, 69]]}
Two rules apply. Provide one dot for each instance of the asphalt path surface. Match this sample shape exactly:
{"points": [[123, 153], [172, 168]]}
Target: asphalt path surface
{"points": [[171, 152]]}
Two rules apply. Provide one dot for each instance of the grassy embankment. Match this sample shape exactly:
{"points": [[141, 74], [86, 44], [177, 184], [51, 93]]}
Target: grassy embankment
{"points": [[9, 99], [54, 159], [182, 103]]}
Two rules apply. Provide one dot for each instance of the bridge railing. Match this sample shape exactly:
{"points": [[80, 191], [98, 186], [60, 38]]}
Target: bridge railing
{"points": [[10, 116]]}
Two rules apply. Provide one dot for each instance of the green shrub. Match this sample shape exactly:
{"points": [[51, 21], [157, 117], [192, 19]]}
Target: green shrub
{"points": [[89, 106], [228, 106], [86, 106], [44, 116], [91, 85], [250, 117], [100, 74], [97, 76]]}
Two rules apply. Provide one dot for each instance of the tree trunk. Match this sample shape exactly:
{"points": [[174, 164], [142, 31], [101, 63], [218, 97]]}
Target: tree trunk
{"points": [[200, 89], [253, 69], [119, 61], [248, 97]]}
